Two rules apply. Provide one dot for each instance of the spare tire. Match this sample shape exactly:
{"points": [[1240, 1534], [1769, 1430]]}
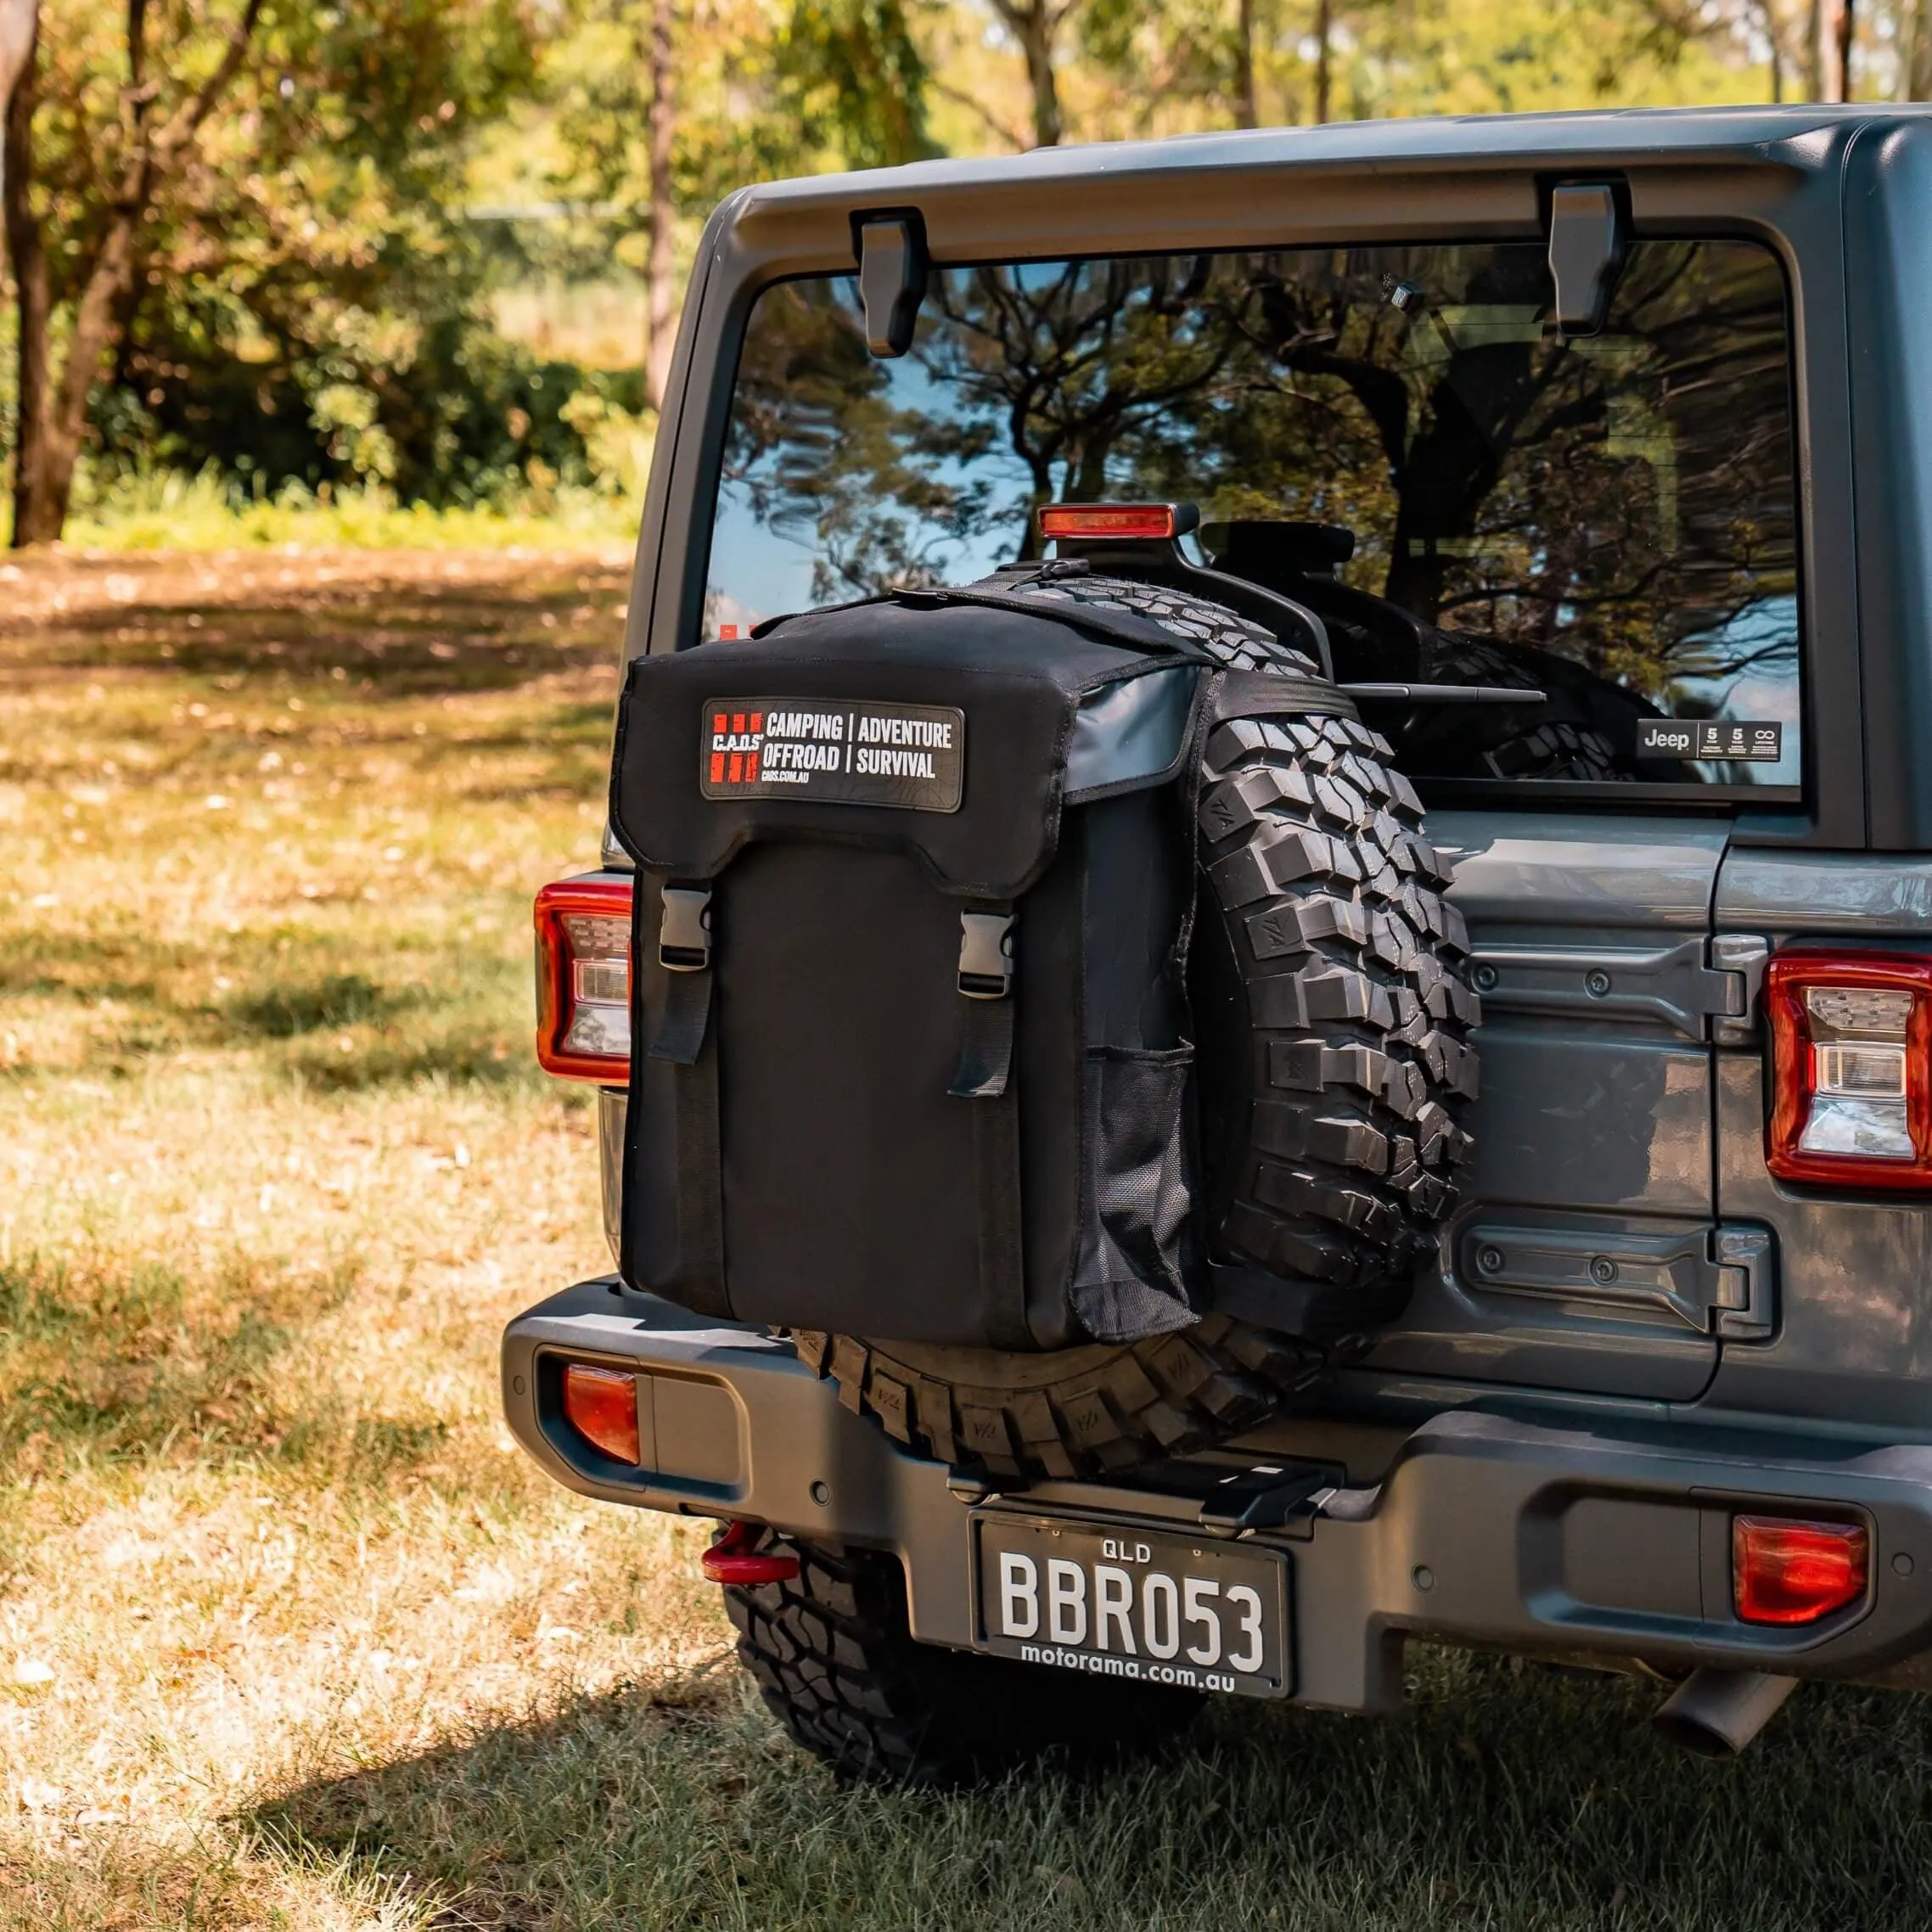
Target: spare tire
{"points": [[1334, 1066]]}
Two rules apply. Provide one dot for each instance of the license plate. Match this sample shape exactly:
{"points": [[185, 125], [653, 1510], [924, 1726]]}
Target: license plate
{"points": [[1147, 1607]]}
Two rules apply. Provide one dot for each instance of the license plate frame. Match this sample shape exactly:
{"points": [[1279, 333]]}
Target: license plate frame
{"points": [[1175, 1649]]}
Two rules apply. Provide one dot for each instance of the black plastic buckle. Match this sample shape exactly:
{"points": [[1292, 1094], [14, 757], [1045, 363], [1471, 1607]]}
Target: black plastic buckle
{"points": [[684, 939], [986, 955]]}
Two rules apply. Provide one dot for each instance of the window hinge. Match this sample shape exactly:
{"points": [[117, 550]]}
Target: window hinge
{"points": [[1740, 957], [1741, 1309]]}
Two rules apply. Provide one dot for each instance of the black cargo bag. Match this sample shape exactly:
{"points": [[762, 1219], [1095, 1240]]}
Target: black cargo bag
{"points": [[910, 1053]]}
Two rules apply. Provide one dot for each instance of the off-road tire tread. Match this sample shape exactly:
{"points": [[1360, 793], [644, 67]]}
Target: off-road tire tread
{"points": [[1115, 1405], [1359, 1006], [833, 1656]]}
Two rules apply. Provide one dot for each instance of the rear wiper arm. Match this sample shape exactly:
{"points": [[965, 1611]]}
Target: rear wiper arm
{"points": [[1442, 694]]}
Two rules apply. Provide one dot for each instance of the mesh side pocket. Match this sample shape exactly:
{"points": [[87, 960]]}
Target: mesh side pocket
{"points": [[1126, 1280]]}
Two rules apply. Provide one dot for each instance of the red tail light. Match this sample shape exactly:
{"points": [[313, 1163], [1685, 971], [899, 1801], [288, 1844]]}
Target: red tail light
{"points": [[1126, 521], [733, 1559], [1785, 1572], [1851, 1040], [601, 1405], [583, 980]]}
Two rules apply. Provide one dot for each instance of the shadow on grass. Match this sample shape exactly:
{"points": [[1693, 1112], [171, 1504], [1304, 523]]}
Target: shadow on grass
{"points": [[481, 1058], [342, 999], [456, 1021], [123, 1361], [124, 967], [1502, 1798], [416, 638]]}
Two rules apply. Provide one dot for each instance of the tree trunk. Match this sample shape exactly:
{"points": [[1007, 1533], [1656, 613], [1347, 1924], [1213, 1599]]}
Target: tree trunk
{"points": [[20, 27], [1324, 33], [1844, 28], [32, 522], [1918, 61], [660, 321], [53, 415], [1815, 51], [1037, 43], [1246, 112], [1034, 26]]}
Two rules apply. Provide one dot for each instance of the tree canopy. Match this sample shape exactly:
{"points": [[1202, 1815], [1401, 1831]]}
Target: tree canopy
{"points": [[285, 242]]}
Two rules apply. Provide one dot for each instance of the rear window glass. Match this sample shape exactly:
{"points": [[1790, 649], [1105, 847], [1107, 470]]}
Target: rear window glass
{"points": [[1395, 437]]}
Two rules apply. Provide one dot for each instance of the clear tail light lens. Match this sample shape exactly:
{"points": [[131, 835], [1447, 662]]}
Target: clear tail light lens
{"points": [[1852, 1042], [583, 979], [1785, 1572], [601, 1406]]}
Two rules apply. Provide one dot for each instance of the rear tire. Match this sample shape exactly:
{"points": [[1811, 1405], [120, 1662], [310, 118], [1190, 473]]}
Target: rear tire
{"points": [[1331, 1123], [1072, 1412], [836, 1662]]}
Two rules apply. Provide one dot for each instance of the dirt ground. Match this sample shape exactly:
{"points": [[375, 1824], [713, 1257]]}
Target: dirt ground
{"points": [[292, 1635]]}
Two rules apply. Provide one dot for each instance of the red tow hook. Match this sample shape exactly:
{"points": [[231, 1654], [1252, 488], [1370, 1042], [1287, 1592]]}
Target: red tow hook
{"points": [[732, 1559]]}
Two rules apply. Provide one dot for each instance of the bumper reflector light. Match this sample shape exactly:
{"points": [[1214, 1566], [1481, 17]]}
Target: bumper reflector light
{"points": [[583, 980], [1786, 1572], [734, 1559], [601, 1406], [1852, 1036], [1124, 522]]}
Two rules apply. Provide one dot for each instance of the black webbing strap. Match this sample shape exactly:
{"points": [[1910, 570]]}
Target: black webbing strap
{"points": [[985, 1051], [1117, 625], [682, 1026], [1276, 693], [684, 951], [1002, 1266], [984, 1077], [701, 1188], [684, 1039]]}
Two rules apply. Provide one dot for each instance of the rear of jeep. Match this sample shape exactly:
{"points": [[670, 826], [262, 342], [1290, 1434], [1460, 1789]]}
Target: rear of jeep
{"points": [[1627, 413]]}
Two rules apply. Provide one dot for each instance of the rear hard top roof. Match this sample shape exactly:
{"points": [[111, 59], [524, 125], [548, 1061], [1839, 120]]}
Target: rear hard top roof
{"points": [[1591, 139]]}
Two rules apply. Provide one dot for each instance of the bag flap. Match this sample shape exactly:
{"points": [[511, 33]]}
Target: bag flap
{"points": [[941, 730]]}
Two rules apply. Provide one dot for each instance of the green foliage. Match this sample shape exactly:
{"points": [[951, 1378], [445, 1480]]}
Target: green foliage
{"points": [[309, 304], [313, 303], [759, 93], [169, 509], [855, 76]]}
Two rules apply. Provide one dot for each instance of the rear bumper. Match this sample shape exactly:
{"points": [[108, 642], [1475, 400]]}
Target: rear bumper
{"points": [[1487, 1530]]}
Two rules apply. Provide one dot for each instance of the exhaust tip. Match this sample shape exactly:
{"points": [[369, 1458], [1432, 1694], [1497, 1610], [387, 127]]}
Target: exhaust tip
{"points": [[1716, 1714]]}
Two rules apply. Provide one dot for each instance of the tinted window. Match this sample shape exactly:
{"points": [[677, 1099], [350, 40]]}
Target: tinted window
{"points": [[1611, 520]]}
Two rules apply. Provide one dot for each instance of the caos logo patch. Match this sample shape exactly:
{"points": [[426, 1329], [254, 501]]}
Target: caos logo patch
{"points": [[834, 751]]}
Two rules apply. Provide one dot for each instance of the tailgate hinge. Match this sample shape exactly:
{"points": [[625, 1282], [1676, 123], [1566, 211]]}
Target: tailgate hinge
{"points": [[1702, 989], [1719, 1280]]}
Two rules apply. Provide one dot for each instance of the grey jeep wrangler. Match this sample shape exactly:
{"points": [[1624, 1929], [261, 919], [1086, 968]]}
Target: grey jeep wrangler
{"points": [[1399, 648]]}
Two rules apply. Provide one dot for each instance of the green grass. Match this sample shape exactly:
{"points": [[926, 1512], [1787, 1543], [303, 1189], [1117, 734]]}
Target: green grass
{"points": [[291, 1634], [1504, 1798], [175, 510]]}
